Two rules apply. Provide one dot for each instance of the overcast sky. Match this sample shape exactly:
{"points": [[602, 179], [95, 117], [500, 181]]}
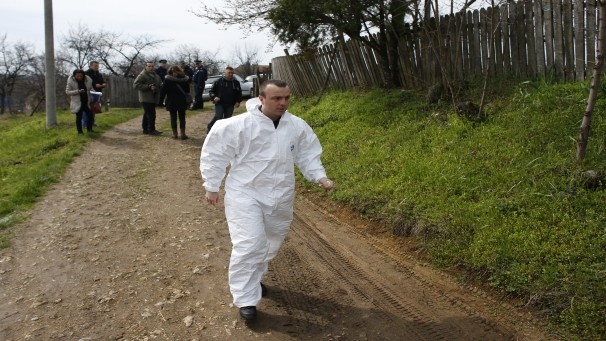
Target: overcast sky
{"points": [[23, 21]]}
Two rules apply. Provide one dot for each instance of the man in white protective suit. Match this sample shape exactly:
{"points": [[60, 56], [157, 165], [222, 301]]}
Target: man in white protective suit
{"points": [[261, 147]]}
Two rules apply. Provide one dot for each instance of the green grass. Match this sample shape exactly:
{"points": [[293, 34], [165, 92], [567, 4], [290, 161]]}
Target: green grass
{"points": [[503, 199], [33, 158]]}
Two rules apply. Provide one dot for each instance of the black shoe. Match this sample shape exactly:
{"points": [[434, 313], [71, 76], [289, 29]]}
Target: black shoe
{"points": [[155, 132], [263, 290], [248, 313], [145, 132]]}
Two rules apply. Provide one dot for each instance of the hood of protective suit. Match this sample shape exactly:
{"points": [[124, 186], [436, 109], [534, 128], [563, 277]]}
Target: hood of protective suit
{"points": [[252, 103]]}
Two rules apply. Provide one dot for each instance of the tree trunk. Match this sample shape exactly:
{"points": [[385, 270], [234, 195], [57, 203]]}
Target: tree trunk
{"points": [[595, 82]]}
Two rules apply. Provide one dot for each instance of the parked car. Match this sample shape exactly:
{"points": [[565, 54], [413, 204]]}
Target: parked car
{"points": [[247, 86]]}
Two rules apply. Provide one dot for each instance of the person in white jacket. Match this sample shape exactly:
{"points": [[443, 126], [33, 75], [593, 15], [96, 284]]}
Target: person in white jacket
{"points": [[261, 147], [78, 87]]}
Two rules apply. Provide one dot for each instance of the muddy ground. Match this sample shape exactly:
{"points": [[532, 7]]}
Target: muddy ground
{"points": [[125, 248]]}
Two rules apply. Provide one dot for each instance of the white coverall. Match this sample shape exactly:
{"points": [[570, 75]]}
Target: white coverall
{"points": [[259, 188]]}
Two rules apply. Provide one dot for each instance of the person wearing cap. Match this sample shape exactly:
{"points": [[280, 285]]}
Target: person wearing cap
{"points": [[200, 77], [161, 71]]}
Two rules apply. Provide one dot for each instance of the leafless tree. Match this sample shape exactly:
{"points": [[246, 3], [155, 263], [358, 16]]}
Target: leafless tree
{"points": [[120, 55], [78, 46], [189, 53], [15, 64], [245, 59]]}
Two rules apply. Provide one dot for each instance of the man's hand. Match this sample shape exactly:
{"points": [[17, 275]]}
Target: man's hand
{"points": [[326, 184], [216, 100], [212, 198]]}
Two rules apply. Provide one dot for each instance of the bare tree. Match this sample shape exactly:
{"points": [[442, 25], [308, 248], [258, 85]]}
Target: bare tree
{"points": [[15, 65], [595, 83], [79, 46], [245, 59], [189, 53], [119, 55]]}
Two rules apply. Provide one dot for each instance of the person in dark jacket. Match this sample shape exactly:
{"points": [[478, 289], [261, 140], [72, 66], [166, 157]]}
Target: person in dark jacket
{"points": [[176, 86], [161, 71], [226, 94], [200, 78], [98, 82]]}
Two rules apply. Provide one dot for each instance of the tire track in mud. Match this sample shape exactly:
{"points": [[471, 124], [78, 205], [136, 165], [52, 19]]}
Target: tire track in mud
{"points": [[338, 281]]}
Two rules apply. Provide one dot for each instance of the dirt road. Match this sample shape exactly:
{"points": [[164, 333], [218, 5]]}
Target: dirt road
{"points": [[124, 248]]}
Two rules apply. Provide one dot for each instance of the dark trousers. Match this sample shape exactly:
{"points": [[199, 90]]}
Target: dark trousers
{"points": [[89, 120], [149, 117], [198, 101], [221, 111], [162, 97], [173, 119]]}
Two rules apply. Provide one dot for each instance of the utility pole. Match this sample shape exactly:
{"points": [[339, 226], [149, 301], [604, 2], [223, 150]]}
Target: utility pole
{"points": [[49, 79]]}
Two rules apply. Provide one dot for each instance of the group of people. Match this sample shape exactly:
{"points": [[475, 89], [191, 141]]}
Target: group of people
{"points": [[170, 88], [80, 87], [259, 147]]}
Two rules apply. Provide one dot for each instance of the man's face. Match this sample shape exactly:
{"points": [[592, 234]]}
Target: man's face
{"points": [[198, 64], [275, 101], [229, 74], [94, 66], [149, 67]]}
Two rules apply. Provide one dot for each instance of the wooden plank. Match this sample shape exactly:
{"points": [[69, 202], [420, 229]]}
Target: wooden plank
{"points": [[531, 54], [505, 25], [548, 16], [484, 39], [539, 36], [558, 39], [418, 66], [514, 39], [458, 45], [477, 49], [568, 40], [521, 39], [405, 58], [464, 43], [579, 40], [498, 40], [446, 50], [471, 45], [592, 29]]}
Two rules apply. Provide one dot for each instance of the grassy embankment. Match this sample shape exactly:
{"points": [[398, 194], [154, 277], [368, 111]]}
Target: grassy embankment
{"points": [[503, 199]]}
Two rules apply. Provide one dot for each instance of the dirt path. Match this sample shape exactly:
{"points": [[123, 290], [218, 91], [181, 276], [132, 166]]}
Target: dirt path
{"points": [[124, 248]]}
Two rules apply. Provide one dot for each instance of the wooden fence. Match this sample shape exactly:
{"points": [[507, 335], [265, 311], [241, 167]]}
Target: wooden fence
{"points": [[121, 93], [524, 39]]}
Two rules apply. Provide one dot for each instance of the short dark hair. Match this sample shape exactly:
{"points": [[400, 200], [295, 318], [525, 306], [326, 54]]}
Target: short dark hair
{"points": [[277, 82], [78, 71], [92, 62]]}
